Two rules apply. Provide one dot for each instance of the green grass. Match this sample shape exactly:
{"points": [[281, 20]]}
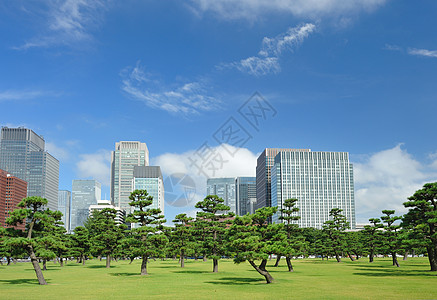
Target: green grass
{"points": [[312, 279]]}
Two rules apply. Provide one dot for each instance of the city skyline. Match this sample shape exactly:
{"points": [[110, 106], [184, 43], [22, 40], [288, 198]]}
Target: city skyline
{"points": [[357, 78]]}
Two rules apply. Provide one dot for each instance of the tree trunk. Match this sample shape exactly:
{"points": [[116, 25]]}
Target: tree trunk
{"points": [[61, 261], [263, 264], [267, 276], [9, 260], [182, 259], [432, 257], [405, 255], [83, 260], [44, 265], [337, 257], [371, 256], [131, 260], [395, 259], [204, 257], [144, 265], [350, 256], [289, 265], [278, 258], [37, 268], [215, 265], [108, 261]]}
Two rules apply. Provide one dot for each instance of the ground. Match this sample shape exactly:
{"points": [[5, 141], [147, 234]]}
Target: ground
{"points": [[312, 279]]}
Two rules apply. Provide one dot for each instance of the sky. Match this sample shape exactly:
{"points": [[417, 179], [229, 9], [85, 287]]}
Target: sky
{"points": [[208, 85]]}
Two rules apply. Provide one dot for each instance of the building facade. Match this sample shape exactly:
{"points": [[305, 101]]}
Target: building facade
{"points": [[102, 204], [150, 178], [12, 191], [264, 165], [225, 189], [22, 154], [319, 180], [64, 206], [126, 156], [245, 195], [83, 194]]}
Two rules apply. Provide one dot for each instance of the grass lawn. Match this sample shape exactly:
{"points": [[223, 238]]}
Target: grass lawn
{"points": [[312, 279]]}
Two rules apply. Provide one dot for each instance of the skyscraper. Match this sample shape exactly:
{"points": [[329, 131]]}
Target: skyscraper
{"points": [[150, 178], [223, 188], [12, 191], [126, 156], [245, 195], [22, 154], [64, 206], [83, 194], [319, 180]]}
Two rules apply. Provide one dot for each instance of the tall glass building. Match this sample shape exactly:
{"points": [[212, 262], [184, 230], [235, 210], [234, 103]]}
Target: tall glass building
{"points": [[22, 154], [64, 206], [319, 180], [245, 195], [126, 156], [150, 178], [264, 164], [225, 189], [83, 194]]}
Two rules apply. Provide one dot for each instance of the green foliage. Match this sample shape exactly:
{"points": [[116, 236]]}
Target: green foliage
{"points": [[335, 230], [421, 219], [391, 241], [214, 220], [151, 241], [105, 233]]}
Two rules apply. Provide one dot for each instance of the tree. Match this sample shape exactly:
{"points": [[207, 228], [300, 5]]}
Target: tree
{"points": [[106, 234], [335, 230], [31, 209], [391, 231], [372, 236], [422, 219], [182, 236], [151, 242], [250, 239], [215, 218], [292, 243], [80, 244]]}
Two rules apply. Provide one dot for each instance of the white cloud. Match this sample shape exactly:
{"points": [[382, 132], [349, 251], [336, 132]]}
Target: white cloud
{"points": [[412, 51], [58, 152], [385, 180], [187, 98], [242, 163], [253, 9], [11, 95], [267, 60], [67, 22], [422, 52], [96, 166]]}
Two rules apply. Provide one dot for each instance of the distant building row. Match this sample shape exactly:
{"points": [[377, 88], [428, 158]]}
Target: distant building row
{"points": [[319, 180]]}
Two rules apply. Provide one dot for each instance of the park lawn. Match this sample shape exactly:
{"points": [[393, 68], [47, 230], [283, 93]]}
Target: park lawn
{"points": [[312, 279]]}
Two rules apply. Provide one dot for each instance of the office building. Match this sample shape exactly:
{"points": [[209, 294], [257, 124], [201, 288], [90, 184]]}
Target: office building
{"points": [[319, 180], [83, 194], [126, 156], [64, 206], [245, 195], [12, 191], [150, 178], [225, 189], [23, 155], [264, 164], [102, 204]]}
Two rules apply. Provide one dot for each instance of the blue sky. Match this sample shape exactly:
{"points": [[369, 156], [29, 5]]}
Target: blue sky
{"points": [[357, 76]]}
